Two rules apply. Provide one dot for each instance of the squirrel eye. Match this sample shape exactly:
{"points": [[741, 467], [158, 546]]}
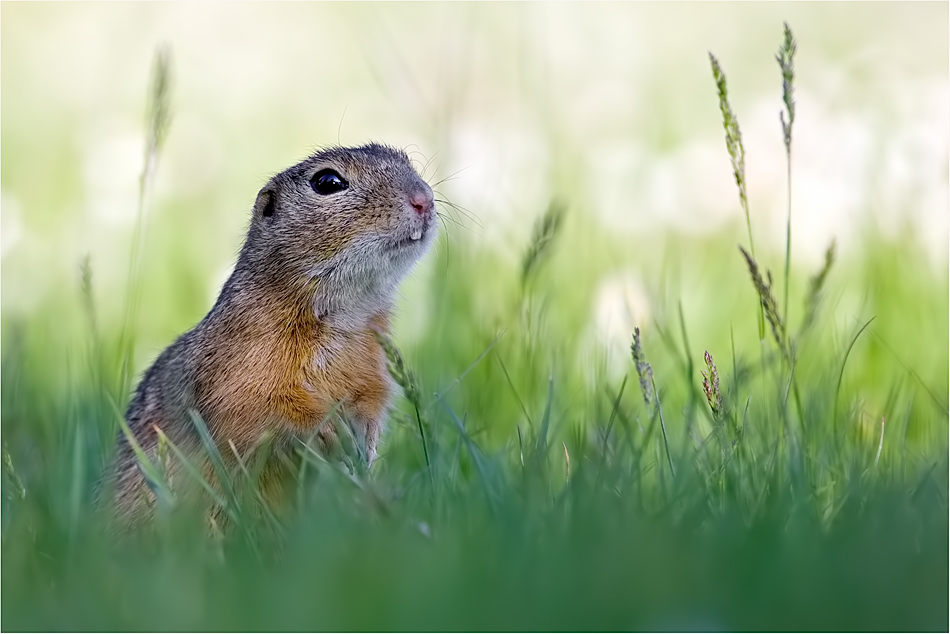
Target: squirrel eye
{"points": [[328, 181]]}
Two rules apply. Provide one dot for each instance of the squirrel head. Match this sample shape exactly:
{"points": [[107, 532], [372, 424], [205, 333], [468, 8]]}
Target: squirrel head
{"points": [[349, 222]]}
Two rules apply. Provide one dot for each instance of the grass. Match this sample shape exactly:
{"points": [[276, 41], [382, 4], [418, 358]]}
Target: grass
{"points": [[522, 484]]}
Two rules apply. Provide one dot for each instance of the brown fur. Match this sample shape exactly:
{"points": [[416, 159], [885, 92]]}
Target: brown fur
{"points": [[291, 335]]}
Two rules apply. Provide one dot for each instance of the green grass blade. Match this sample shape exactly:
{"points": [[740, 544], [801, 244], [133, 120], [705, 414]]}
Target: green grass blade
{"points": [[473, 450], [302, 473], [666, 439], [151, 473], [546, 418], [524, 410], [613, 412], [458, 380], [844, 362], [195, 473], [211, 448]]}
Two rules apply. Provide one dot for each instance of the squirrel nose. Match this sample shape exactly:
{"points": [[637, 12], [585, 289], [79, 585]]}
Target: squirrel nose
{"points": [[421, 200]]}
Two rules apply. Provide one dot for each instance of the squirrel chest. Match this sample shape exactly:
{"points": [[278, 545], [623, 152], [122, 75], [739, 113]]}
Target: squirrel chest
{"points": [[289, 378]]}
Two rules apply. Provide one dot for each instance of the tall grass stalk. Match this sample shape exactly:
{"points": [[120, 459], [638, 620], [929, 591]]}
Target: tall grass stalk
{"points": [[158, 121], [648, 389], [786, 61], [410, 387], [737, 155]]}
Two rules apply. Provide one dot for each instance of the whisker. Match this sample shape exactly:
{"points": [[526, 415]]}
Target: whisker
{"points": [[447, 206], [444, 217], [450, 177], [451, 207], [460, 209], [450, 218], [446, 229], [411, 154], [428, 163], [339, 127], [448, 245]]}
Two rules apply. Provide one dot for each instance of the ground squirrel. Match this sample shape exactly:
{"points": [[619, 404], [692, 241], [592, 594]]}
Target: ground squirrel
{"points": [[292, 334]]}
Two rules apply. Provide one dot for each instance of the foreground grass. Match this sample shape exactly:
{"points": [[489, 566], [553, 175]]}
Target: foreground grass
{"points": [[549, 502]]}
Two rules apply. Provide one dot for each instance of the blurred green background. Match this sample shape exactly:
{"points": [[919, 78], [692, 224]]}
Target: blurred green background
{"points": [[609, 107], [831, 520]]}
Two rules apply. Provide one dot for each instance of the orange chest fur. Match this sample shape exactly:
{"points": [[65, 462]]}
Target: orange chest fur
{"points": [[291, 380]]}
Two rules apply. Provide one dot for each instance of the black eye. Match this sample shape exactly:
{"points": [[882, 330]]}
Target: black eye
{"points": [[328, 181]]}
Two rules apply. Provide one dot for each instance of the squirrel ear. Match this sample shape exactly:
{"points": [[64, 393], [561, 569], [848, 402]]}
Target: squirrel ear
{"points": [[264, 206]]}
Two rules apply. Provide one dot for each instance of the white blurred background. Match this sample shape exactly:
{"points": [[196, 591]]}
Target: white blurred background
{"points": [[611, 106]]}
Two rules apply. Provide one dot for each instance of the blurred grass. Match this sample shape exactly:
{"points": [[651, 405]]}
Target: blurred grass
{"points": [[548, 493]]}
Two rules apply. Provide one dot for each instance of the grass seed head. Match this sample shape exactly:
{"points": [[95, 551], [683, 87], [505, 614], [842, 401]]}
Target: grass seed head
{"points": [[711, 386], [545, 230], [18, 487], [88, 301], [764, 289], [398, 369], [164, 458], [786, 61], [816, 285], [644, 371], [733, 134], [158, 112]]}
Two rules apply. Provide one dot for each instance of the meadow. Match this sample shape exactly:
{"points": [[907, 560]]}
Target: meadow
{"points": [[765, 448]]}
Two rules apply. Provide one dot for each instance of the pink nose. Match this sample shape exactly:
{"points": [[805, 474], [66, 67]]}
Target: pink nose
{"points": [[421, 200]]}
